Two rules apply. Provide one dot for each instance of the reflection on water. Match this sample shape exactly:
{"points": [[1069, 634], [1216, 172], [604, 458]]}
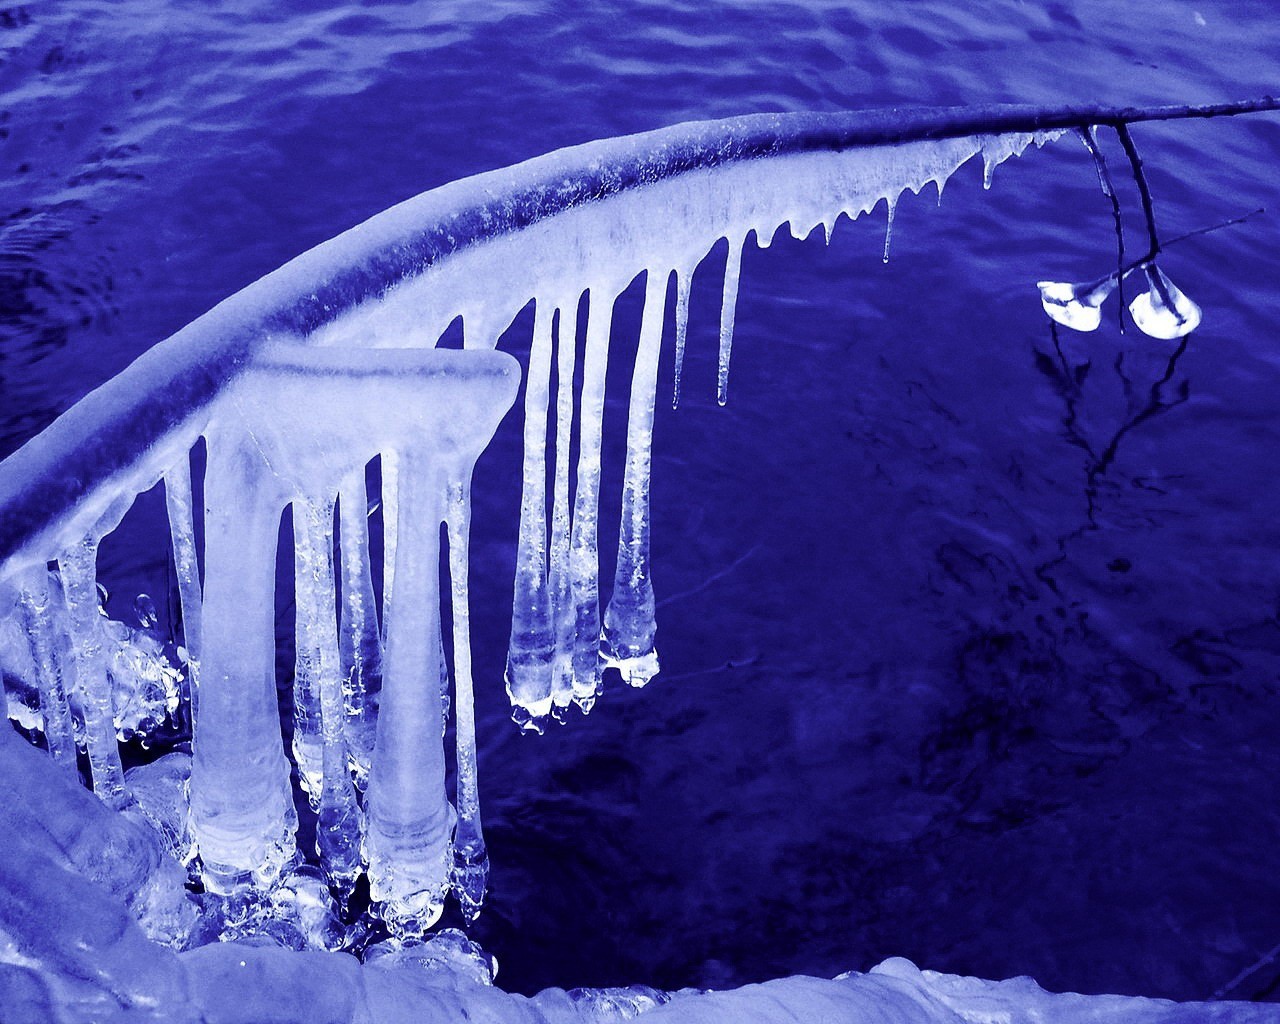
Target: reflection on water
{"points": [[970, 624]]}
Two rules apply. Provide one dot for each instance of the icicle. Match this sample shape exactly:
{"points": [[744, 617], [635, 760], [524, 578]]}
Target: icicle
{"points": [[562, 610], [78, 568], [629, 623], [529, 657], [584, 561], [360, 643], [470, 872], [409, 818], [390, 464], [308, 744], [242, 814], [445, 702], [684, 282], [888, 228], [729, 302], [178, 501], [38, 622], [338, 825]]}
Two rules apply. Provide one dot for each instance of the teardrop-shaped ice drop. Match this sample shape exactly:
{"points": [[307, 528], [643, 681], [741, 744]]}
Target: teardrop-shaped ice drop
{"points": [[1162, 311], [1078, 306]]}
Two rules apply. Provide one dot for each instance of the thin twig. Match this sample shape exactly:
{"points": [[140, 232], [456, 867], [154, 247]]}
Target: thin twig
{"points": [[1109, 189]]}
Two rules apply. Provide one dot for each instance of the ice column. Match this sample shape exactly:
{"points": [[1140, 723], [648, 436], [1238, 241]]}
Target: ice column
{"points": [[242, 816], [308, 743], [389, 464], [584, 560], [684, 281], [410, 822], [338, 827], [562, 609], [470, 873], [629, 622], [361, 642], [39, 623], [78, 567], [529, 656], [178, 500]]}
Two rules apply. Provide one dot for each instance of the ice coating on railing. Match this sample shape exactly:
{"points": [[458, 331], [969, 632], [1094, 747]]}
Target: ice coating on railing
{"points": [[271, 445]]}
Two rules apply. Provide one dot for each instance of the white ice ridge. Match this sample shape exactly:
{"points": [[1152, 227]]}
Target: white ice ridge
{"points": [[324, 375]]}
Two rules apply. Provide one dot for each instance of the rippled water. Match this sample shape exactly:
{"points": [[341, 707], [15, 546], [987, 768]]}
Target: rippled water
{"points": [[971, 638]]}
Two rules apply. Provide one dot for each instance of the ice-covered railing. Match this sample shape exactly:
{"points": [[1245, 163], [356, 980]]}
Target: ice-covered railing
{"points": [[262, 379]]}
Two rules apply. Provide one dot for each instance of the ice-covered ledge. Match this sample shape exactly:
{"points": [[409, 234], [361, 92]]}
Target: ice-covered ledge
{"points": [[81, 886]]}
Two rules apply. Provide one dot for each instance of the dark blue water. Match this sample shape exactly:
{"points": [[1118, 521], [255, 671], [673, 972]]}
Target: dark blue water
{"points": [[970, 633]]}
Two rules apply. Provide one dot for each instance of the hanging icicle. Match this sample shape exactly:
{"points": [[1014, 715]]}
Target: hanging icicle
{"points": [[630, 626], [338, 817], [684, 282], [470, 872], [728, 305], [179, 503], [888, 228], [389, 463], [530, 654], [558, 573], [360, 642], [78, 569], [39, 623], [308, 744], [584, 559]]}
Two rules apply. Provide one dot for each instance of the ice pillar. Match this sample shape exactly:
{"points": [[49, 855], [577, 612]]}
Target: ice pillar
{"points": [[242, 816], [630, 626], [361, 642], [410, 820], [584, 558]]}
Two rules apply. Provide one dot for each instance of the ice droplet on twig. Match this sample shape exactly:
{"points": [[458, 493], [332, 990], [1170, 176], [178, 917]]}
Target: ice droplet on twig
{"points": [[1078, 306], [1162, 311]]}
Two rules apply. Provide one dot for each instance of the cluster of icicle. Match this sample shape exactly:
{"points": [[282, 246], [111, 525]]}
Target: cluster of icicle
{"points": [[297, 429]]}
